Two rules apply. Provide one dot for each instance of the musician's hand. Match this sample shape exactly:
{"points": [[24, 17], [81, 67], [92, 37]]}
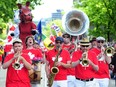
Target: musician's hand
{"points": [[47, 75], [100, 55], [58, 63], [16, 55]]}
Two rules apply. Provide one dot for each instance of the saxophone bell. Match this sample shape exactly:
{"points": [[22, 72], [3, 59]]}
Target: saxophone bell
{"points": [[54, 70]]}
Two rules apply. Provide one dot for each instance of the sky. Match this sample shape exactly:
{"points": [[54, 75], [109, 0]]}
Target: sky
{"points": [[50, 6]]}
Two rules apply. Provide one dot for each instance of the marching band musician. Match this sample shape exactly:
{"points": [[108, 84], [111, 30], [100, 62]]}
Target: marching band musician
{"points": [[63, 62], [93, 42], [71, 48], [86, 64], [102, 76], [35, 55], [18, 65]]}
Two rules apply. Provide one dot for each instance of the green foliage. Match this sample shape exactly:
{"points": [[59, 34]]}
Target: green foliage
{"points": [[102, 17], [7, 7], [6, 12], [47, 29]]}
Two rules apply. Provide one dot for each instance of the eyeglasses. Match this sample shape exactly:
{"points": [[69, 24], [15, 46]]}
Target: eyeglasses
{"points": [[100, 41], [58, 42], [85, 45]]}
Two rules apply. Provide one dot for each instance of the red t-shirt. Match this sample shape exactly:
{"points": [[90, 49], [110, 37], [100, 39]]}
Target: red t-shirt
{"points": [[64, 57], [81, 71], [33, 53], [17, 76], [103, 66], [70, 71], [68, 47]]}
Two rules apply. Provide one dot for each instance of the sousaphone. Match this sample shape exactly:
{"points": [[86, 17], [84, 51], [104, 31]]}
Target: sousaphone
{"points": [[75, 22]]}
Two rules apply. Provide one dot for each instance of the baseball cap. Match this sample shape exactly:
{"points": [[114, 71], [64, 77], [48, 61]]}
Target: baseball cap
{"points": [[100, 38], [17, 40], [59, 39]]}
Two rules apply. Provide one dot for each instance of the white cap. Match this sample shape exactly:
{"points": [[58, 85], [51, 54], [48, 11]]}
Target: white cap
{"points": [[17, 40], [101, 38]]}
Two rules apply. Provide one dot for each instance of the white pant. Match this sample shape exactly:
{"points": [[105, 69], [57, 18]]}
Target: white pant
{"points": [[80, 83], [71, 81], [61, 83], [102, 82], [35, 85]]}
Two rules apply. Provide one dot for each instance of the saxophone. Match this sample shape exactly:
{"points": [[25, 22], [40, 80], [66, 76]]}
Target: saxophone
{"points": [[54, 70]]}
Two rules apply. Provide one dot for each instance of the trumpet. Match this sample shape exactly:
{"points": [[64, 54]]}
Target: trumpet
{"points": [[109, 51], [85, 60], [16, 65]]}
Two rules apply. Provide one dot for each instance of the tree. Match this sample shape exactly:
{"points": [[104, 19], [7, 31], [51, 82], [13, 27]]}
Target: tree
{"points": [[102, 17], [7, 7]]}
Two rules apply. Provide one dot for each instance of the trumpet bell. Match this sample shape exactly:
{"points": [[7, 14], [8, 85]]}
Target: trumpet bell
{"points": [[16, 66], [85, 62], [109, 51], [75, 22]]}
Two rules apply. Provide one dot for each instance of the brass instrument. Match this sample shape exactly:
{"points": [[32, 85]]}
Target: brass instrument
{"points": [[109, 51], [54, 70], [75, 22], [85, 59], [16, 65]]}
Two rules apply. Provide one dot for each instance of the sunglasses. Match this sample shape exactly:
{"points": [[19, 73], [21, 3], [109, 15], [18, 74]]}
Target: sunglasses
{"points": [[100, 41], [66, 36], [58, 42], [85, 45]]}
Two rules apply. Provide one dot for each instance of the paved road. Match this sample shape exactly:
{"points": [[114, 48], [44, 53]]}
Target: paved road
{"points": [[43, 82]]}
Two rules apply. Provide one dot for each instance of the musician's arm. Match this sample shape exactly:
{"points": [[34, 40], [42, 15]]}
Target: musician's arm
{"points": [[7, 64], [47, 69], [66, 65], [73, 64], [108, 59], [26, 64]]}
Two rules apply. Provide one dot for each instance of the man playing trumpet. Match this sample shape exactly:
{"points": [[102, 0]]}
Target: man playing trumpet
{"points": [[86, 64], [17, 65], [102, 76]]}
